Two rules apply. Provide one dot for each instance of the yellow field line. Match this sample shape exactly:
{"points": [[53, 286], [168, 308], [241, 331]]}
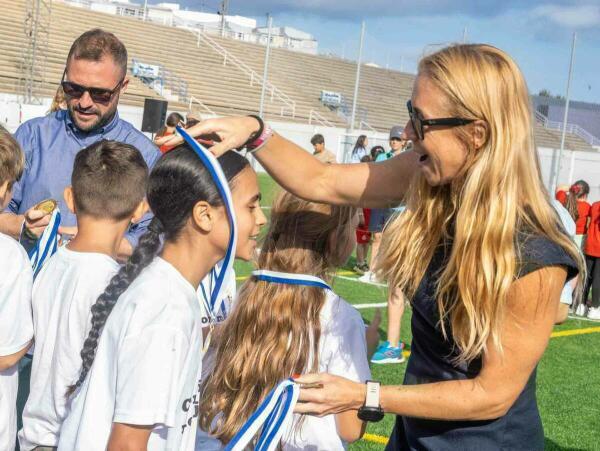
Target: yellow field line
{"points": [[375, 438], [568, 333]]}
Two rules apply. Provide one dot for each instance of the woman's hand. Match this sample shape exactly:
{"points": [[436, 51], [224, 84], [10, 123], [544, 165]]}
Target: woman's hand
{"points": [[232, 132], [335, 394]]}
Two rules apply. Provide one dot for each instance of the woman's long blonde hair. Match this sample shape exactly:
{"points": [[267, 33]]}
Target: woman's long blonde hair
{"points": [[499, 194], [274, 330]]}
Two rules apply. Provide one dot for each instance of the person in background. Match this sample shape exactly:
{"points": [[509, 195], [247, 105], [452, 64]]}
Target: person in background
{"points": [[360, 149], [566, 296], [561, 194], [592, 258], [173, 120], [59, 102], [16, 325], [381, 216], [363, 236], [579, 208], [321, 153], [376, 151]]}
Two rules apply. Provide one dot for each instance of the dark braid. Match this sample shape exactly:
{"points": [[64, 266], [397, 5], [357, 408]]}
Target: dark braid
{"points": [[142, 256], [176, 184]]}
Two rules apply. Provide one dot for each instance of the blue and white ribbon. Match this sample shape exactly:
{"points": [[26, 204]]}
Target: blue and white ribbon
{"points": [[47, 244], [215, 303], [290, 279], [276, 411], [273, 415]]}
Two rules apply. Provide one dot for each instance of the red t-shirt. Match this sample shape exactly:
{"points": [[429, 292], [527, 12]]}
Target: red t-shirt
{"points": [[583, 208], [561, 196], [592, 242]]}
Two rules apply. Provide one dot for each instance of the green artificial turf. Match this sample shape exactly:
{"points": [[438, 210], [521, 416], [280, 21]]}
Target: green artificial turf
{"points": [[568, 382]]}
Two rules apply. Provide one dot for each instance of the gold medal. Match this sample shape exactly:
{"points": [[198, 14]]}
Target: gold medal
{"points": [[47, 206]]}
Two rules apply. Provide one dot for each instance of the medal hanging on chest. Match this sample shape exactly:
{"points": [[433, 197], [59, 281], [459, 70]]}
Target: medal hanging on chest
{"points": [[213, 301], [276, 411]]}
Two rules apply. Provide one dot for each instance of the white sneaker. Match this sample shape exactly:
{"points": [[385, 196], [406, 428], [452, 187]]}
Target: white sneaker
{"points": [[594, 313], [580, 310], [367, 277]]}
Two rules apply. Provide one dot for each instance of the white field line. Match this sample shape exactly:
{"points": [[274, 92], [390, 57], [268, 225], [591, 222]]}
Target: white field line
{"points": [[368, 306], [354, 279]]}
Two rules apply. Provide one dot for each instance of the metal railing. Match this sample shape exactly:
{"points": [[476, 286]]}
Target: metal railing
{"points": [[365, 125], [205, 107], [289, 103], [319, 119], [571, 128], [163, 81]]}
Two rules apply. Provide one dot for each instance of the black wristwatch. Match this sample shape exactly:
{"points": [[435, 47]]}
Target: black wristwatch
{"points": [[371, 410]]}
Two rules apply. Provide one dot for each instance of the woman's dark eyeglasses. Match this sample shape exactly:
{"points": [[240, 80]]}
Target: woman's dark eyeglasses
{"points": [[418, 122], [98, 95]]}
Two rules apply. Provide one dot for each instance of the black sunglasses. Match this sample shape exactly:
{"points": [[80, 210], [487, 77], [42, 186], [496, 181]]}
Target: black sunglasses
{"points": [[418, 122], [98, 95]]}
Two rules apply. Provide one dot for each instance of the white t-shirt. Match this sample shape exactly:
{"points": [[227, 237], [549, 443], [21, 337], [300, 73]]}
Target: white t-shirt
{"points": [[16, 329], [147, 367], [343, 352], [63, 293]]}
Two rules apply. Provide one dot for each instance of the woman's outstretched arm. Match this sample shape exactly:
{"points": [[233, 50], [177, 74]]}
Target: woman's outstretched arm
{"points": [[366, 184]]}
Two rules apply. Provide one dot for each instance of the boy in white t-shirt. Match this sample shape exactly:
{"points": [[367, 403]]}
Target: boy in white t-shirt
{"points": [[107, 192], [16, 328]]}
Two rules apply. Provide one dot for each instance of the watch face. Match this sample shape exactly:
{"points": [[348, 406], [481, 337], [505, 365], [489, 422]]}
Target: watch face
{"points": [[372, 414]]}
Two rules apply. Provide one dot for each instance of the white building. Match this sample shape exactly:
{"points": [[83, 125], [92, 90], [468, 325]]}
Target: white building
{"points": [[236, 27], [289, 38]]}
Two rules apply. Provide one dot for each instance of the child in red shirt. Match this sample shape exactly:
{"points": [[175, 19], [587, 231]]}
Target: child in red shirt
{"points": [[579, 208], [592, 259]]}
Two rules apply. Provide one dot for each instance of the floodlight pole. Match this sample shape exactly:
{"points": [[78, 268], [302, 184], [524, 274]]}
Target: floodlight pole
{"points": [[565, 117], [357, 81], [266, 67], [145, 9]]}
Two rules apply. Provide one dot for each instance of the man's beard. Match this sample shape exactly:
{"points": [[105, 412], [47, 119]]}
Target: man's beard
{"points": [[101, 119]]}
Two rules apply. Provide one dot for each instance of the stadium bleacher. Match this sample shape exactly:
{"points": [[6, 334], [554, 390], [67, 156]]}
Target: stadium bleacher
{"points": [[223, 88]]}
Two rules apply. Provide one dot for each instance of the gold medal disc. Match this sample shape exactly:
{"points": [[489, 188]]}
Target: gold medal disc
{"points": [[47, 206]]}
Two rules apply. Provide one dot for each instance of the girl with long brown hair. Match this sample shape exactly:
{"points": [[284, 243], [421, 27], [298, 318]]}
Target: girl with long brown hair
{"points": [[579, 208], [277, 330], [479, 252]]}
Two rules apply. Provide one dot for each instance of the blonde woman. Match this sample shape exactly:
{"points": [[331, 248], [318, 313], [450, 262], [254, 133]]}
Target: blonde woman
{"points": [[479, 252]]}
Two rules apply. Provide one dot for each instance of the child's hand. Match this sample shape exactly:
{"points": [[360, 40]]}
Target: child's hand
{"points": [[372, 333]]}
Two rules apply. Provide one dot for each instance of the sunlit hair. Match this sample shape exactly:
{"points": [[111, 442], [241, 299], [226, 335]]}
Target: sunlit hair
{"points": [[274, 329], [498, 193]]}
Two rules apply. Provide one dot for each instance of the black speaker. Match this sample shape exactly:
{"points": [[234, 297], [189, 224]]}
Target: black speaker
{"points": [[155, 113]]}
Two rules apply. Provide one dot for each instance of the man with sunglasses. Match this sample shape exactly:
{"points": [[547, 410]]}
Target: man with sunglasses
{"points": [[94, 77]]}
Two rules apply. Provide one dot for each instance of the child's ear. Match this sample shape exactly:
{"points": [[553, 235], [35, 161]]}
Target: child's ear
{"points": [[203, 216], [140, 211], [5, 193], [69, 200]]}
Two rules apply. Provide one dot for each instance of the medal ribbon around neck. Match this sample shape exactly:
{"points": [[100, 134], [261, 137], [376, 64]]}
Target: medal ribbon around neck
{"points": [[215, 303], [276, 411]]}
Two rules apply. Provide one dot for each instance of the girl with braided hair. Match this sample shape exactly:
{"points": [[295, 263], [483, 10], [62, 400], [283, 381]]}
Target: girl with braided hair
{"points": [[141, 361]]}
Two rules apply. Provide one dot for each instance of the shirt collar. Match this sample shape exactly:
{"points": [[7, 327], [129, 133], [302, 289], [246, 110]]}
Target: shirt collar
{"points": [[99, 131]]}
